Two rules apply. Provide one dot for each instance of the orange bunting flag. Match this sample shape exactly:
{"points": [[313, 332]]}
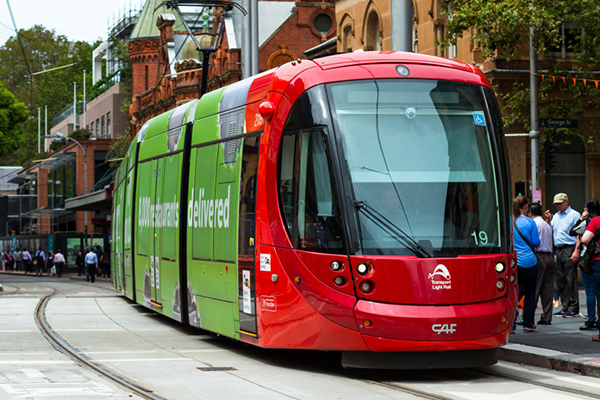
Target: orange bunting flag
{"points": [[585, 82], [553, 79], [596, 82], [574, 82], [543, 76], [564, 81]]}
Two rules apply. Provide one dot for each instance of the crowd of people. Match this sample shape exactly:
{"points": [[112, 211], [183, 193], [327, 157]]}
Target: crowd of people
{"points": [[40, 263], [549, 250]]}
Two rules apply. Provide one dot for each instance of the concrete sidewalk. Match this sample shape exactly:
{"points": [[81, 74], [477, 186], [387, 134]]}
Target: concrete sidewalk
{"points": [[560, 346]]}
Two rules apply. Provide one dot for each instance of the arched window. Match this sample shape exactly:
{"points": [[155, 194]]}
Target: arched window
{"points": [[146, 68], [568, 176], [347, 39], [373, 41]]}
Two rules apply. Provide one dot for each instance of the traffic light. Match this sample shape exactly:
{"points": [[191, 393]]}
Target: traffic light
{"points": [[519, 188], [549, 155]]}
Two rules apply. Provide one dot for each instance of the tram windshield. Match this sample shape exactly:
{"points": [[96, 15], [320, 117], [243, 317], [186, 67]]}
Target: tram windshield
{"points": [[420, 162]]}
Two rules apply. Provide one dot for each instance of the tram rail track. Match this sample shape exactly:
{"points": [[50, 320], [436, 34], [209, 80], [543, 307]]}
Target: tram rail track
{"points": [[63, 346]]}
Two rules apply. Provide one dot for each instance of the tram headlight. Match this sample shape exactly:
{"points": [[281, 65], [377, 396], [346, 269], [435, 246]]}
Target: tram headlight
{"points": [[339, 280], [362, 268], [513, 263], [335, 265], [512, 278], [366, 286], [500, 267]]}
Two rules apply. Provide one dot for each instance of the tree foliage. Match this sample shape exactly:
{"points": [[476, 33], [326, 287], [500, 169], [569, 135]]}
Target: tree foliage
{"points": [[501, 29], [12, 114], [38, 50]]}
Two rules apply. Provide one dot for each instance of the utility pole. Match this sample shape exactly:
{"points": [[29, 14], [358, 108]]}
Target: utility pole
{"points": [[534, 133], [402, 25]]}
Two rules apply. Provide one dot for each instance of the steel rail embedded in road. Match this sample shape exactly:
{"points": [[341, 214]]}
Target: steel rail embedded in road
{"points": [[60, 344]]}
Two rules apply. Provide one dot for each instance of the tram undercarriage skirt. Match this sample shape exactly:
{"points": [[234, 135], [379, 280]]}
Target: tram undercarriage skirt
{"points": [[420, 359]]}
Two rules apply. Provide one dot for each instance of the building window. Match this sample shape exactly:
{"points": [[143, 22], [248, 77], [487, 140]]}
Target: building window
{"points": [[373, 41], [97, 127], [108, 130], [92, 128], [102, 131], [347, 39], [323, 23], [571, 35], [146, 77]]}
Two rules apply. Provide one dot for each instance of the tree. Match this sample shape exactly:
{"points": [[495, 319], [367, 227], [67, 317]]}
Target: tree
{"points": [[501, 29], [41, 50], [12, 114]]}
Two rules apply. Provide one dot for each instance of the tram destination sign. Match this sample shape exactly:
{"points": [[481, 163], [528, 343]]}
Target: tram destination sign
{"points": [[558, 123]]}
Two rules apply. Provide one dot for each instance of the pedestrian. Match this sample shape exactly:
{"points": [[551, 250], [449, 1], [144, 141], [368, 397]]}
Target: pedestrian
{"points": [[567, 255], [26, 255], [91, 263], [40, 259], [590, 234], [80, 263], [49, 263], [590, 211], [526, 239], [8, 260], [545, 281], [19, 259], [59, 262], [100, 255]]}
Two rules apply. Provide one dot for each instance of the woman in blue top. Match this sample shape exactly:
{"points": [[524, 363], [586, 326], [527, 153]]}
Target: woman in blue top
{"points": [[527, 268]]}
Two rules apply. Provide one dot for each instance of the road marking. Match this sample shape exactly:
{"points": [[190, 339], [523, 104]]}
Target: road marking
{"points": [[141, 359], [28, 362], [15, 330], [32, 373], [121, 352]]}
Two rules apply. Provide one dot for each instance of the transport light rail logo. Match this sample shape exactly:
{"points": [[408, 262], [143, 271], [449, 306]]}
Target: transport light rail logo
{"points": [[442, 272]]}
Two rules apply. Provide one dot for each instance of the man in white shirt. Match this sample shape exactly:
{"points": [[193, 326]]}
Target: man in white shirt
{"points": [[566, 254], [59, 262], [545, 280], [91, 263]]}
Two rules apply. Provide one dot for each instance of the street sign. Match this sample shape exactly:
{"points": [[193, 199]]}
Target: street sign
{"points": [[558, 123]]}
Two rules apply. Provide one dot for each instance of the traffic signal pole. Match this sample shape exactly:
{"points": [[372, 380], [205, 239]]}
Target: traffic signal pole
{"points": [[534, 133]]}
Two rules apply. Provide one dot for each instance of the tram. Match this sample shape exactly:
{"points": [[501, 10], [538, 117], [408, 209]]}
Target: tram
{"points": [[357, 203]]}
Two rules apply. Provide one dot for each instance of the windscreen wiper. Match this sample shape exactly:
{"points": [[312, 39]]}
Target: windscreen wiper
{"points": [[392, 229]]}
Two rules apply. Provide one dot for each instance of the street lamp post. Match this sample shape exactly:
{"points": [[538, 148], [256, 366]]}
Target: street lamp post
{"points": [[59, 135]]}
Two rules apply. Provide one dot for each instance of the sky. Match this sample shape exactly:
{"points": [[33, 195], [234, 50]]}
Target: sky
{"points": [[86, 20]]}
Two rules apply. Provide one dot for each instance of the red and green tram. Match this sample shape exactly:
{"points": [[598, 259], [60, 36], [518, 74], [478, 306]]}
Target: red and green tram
{"points": [[356, 203]]}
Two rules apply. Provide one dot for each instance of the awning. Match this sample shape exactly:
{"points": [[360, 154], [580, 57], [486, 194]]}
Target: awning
{"points": [[100, 200], [24, 177]]}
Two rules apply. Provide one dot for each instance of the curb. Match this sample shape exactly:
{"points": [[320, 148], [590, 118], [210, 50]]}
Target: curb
{"points": [[584, 364]]}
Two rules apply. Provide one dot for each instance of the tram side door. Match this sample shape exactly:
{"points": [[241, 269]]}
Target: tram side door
{"points": [[157, 218], [247, 236], [128, 284]]}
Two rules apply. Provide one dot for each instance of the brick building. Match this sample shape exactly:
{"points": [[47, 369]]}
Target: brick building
{"points": [[167, 68]]}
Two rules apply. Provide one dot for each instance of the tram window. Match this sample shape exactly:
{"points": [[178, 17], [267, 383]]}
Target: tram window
{"points": [[307, 194]]}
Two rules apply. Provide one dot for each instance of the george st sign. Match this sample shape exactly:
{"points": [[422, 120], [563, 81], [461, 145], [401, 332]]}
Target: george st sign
{"points": [[558, 123]]}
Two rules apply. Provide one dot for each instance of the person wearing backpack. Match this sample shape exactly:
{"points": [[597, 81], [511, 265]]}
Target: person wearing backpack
{"points": [[590, 210], [591, 234]]}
